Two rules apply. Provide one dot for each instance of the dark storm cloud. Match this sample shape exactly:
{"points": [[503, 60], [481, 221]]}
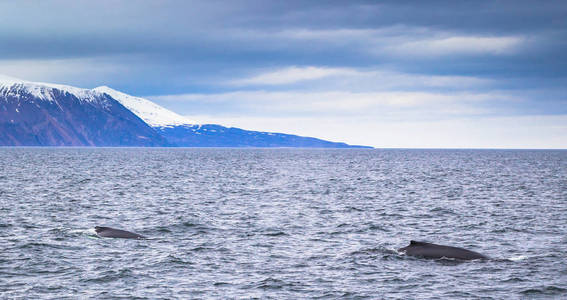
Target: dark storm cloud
{"points": [[210, 39], [110, 26]]}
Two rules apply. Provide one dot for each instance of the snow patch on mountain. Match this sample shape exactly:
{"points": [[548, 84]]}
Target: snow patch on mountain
{"points": [[13, 87], [153, 114]]}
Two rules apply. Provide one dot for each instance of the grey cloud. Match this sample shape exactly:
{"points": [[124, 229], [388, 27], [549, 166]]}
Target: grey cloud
{"points": [[197, 43]]}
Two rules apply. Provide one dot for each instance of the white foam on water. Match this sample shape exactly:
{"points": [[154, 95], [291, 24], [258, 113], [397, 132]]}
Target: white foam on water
{"points": [[518, 258]]}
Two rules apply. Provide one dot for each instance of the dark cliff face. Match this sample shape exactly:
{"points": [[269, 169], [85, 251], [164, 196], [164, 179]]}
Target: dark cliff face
{"points": [[219, 136], [66, 120]]}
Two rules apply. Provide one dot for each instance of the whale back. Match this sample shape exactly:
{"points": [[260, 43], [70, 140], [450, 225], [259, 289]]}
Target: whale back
{"points": [[116, 233], [434, 251]]}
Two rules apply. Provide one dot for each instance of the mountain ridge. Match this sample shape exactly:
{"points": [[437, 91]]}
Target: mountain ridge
{"points": [[45, 114], [37, 114], [153, 114]]}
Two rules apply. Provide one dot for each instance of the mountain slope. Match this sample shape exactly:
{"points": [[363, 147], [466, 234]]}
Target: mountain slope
{"points": [[210, 135], [183, 132], [153, 114], [40, 114]]}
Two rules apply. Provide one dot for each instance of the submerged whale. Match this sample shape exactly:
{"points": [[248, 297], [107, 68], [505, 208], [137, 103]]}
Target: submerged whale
{"points": [[116, 233], [429, 250]]}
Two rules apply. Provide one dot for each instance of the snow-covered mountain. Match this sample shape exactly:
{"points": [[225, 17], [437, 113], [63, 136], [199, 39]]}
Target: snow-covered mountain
{"points": [[17, 88], [153, 114], [44, 114]]}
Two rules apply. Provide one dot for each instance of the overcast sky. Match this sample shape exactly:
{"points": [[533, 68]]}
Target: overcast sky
{"points": [[426, 74]]}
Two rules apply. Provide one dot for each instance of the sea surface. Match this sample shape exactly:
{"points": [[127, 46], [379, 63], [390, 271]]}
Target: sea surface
{"points": [[281, 223]]}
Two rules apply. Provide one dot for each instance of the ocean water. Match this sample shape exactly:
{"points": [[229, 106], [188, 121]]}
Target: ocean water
{"points": [[281, 223]]}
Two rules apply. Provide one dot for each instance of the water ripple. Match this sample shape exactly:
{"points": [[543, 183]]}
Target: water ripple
{"points": [[281, 223]]}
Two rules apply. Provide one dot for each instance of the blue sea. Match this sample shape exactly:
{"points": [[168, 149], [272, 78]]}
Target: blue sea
{"points": [[281, 223]]}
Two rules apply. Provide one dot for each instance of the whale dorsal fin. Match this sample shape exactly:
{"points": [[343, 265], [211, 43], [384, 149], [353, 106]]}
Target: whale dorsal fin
{"points": [[416, 243], [100, 228]]}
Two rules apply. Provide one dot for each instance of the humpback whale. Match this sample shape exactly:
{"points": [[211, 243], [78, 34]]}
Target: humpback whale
{"points": [[429, 250], [116, 233]]}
